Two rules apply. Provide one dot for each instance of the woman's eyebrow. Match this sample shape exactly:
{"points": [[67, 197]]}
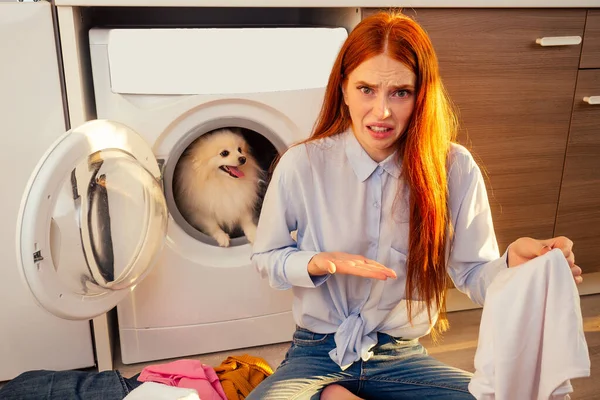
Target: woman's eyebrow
{"points": [[402, 86]]}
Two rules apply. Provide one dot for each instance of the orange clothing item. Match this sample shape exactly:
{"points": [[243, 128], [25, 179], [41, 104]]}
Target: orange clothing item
{"points": [[239, 375]]}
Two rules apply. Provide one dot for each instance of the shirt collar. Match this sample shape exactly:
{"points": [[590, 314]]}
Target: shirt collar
{"points": [[363, 165]]}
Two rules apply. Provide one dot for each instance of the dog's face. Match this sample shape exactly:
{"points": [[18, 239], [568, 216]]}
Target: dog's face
{"points": [[225, 152]]}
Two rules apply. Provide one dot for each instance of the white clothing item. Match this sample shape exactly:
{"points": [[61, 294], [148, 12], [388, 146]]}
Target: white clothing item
{"points": [[531, 338], [159, 391]]}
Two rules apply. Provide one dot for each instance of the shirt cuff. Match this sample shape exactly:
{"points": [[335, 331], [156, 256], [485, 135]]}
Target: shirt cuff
{"points": [[494, 268], [296, 270]]}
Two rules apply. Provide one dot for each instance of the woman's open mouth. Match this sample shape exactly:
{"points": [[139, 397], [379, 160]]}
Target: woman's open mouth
{"points": [[380, 132]]}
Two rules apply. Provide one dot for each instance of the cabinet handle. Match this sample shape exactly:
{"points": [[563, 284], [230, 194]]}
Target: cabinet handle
{"points": [[559, 41], [592, 99]]}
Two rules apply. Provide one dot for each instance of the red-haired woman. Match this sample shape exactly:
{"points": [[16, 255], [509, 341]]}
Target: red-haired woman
{"points": [[385, 206]]}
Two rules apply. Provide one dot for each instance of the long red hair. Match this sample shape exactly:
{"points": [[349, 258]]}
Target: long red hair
{"points": [[423, 147]]}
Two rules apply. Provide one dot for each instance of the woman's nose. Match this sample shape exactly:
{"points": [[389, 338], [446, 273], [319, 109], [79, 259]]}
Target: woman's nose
{"points": [[382, 108]]}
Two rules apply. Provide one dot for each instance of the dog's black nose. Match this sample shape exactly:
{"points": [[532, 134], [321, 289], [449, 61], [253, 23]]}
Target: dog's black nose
{"points": [[242, 160]]}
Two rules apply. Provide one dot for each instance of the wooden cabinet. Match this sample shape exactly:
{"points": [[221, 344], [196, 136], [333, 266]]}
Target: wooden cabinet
{"points": [[578, 214], [514, 99], [579, 207]]}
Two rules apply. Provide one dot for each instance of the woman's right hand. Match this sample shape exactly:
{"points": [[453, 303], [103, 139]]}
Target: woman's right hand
{"points": [[350, 264]]}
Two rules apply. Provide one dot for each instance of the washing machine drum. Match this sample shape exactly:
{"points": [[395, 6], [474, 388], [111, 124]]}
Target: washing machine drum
{"points": [[93, 220]]}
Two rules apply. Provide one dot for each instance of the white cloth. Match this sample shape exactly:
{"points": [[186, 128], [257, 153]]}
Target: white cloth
{"points": [[159, 391], [531, 338]]}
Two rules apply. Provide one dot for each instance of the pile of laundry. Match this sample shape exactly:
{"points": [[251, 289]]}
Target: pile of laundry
{"points": [[234, 379], [183, 379]]}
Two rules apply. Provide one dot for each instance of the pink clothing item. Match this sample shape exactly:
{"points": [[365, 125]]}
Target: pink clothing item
{"points": [[191, 374]]}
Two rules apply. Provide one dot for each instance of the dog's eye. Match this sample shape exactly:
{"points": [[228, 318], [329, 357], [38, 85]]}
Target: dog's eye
{"points": [[239, 149], [224, 153]]}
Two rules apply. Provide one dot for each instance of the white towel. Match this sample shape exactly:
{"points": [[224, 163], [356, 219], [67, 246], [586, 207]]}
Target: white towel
{"points": [[531, 338], [159, 391]]}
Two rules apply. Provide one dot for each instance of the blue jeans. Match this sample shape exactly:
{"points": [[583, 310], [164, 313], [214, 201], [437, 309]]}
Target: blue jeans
{"points": [[67, 385], [399, 369]]}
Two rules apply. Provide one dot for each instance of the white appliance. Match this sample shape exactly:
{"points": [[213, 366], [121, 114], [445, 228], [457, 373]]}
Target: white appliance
{"points": [[99, 219], [31, 118]]}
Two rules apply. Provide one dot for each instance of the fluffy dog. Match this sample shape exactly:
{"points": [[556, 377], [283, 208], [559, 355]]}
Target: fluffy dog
{"points": [[216, 185]]}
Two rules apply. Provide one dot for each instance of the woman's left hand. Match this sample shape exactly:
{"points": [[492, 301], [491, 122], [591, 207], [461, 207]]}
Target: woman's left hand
{"points": [[525, 249]]}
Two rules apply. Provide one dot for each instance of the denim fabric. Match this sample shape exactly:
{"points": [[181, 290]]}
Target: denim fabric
{"points": [[399, 369], [67, 385]]}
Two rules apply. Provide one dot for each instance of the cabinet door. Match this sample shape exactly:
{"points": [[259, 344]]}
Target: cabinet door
{"points": [[514, 100], [579, 207]]}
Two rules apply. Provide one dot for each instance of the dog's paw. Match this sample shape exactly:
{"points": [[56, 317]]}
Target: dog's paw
{"points": [[222, 238]]}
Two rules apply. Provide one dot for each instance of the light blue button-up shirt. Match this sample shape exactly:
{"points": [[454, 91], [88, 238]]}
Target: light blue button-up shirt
{"points": [[339, 199]]}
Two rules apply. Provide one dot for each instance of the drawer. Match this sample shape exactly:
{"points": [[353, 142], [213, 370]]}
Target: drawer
{"points": [[590, 53]]}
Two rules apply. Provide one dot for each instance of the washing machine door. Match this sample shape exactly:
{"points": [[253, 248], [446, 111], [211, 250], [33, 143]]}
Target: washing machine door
{"points": [[93, 220]]}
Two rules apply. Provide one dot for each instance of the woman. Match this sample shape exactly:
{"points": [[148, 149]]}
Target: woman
{"points": [[385, 206]]}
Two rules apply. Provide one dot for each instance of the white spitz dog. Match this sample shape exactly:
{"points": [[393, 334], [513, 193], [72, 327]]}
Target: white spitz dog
{"points": [[216, 185]]}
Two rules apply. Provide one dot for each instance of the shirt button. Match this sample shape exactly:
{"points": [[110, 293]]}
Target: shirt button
{"points": [[380, 171], [376, 205]]}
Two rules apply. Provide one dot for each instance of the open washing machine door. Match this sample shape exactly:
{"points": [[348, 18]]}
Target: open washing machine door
{"points": [[93, 220]]}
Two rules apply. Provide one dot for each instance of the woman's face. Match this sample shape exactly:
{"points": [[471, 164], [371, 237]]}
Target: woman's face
{"points": [[380, 94]]}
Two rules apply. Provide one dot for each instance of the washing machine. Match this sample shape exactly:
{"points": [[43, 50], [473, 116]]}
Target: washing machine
{"points": [[99, 226]]}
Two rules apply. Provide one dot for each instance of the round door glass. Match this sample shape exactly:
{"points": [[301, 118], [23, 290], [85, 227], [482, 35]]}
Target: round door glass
{"points": [[110, 214]]}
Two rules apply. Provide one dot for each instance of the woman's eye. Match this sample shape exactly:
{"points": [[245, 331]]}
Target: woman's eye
{"points": [[402, 93], [365, 90], [224, 153]]}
